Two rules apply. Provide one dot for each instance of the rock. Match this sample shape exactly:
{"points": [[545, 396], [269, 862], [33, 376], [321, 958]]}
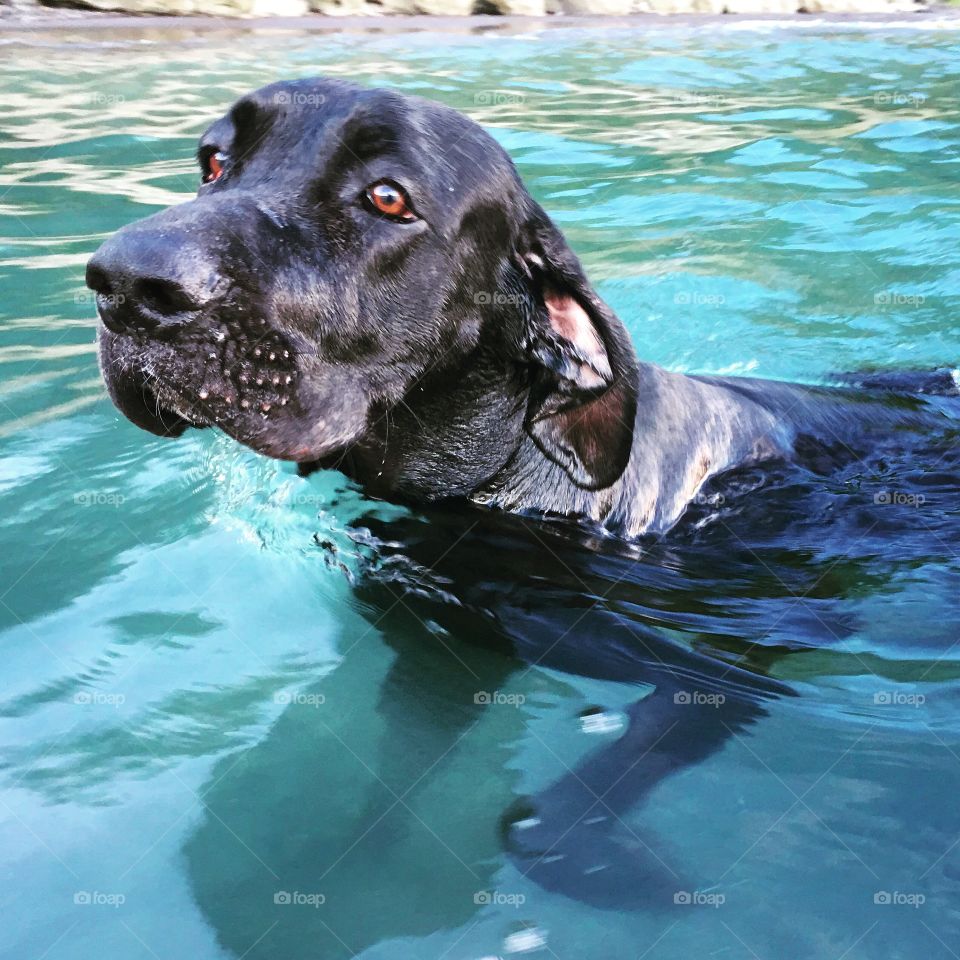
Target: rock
{"points": [[600, 8], [670, 7], [754, 7], [363, 8], [857, 6], [348, 8], [279, 8], [518, 8], [529, 8], [210, 8], [449, 8]]}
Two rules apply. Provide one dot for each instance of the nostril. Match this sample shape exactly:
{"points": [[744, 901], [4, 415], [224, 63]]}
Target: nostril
{"points": [[97, 279], [164, 297]]}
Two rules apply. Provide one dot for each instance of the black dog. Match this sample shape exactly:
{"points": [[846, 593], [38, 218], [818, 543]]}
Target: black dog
{"points": [[364, 282]]}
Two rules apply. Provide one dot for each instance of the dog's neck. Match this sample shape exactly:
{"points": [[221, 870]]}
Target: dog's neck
{"points": [[453, 431], [460, 433]]}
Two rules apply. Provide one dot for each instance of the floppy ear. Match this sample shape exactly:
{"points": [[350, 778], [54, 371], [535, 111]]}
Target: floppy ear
{"points": [[584, 398]]}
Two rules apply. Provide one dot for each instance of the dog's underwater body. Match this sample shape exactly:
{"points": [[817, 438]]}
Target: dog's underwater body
{"points": [[364, 283]]}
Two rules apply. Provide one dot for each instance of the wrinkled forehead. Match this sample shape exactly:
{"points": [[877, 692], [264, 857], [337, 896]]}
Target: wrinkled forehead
{"points": [[318, 128]]}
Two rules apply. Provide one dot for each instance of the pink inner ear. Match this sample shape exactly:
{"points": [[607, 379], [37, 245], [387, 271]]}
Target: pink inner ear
{"points": [[571, 322]]}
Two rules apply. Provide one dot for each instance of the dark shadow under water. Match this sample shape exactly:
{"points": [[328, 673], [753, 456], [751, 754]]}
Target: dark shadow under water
{"points": [[753, 597]]}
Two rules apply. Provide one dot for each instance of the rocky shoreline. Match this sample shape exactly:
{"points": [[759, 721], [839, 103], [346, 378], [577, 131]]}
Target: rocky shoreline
{"points": [[84, 11]]}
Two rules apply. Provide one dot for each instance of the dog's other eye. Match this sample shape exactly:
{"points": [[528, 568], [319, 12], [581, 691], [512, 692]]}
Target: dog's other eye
{"points": [[389, 199], [213, 167]]}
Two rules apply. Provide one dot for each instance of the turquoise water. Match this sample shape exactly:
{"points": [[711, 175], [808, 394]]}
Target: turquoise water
{"points": [[215, 745]]}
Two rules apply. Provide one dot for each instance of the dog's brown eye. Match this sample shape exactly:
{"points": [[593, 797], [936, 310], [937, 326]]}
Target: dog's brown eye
{"points": [[214, 166], [389, 199]]}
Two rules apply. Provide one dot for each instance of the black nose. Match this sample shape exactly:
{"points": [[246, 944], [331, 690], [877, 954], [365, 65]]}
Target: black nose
{"points": [[147, 281]]}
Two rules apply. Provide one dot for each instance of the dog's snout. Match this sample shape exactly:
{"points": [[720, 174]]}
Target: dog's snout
{"points": [[149, 281]]}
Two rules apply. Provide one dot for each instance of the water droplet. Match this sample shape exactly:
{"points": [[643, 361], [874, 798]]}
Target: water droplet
{"points": [[525, 941], [527, 824], [598, 721]]}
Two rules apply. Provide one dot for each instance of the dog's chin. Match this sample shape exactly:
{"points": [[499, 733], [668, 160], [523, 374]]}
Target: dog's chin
{"points": [[265, 401], [143, 407]]}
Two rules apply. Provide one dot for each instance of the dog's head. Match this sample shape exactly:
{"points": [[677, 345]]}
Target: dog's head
{"points": [[344, 245]]}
